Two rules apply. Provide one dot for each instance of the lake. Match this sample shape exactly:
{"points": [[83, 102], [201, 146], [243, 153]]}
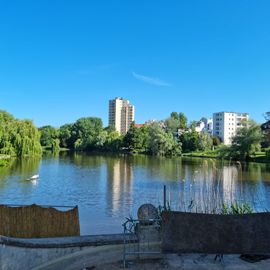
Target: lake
{"points": [[109, 188]]}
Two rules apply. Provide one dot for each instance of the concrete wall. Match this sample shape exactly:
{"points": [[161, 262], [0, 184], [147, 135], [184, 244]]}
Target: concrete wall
{"points": [[207, 233], [20, 258], [25, 254]]}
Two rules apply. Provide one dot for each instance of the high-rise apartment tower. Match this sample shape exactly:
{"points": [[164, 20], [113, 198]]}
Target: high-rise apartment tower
{"points": [[225, 124], [121, 114]]}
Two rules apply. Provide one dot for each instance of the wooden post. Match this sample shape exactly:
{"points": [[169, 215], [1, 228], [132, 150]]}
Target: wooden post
{"points": [[164, 198]]}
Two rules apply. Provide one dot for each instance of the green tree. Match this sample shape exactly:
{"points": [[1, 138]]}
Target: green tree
{"points": [[110, 129], [266, 139], [84, 133], [216, 140], [175, 115], [204, 119], [193, 124], [246, 141], [161, 143], [65, 136], [183, 121], [266, 131], [27, 139], [205, 142], [100, 140], [176, 121], [172, 123], [114, 140], [132, 138], [49, 138], [190, 141], [55, 147], [267, 116], [135, 139], [18, 137]]}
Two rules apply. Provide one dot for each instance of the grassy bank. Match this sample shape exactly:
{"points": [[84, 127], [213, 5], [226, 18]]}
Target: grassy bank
{"points": [[49, 149], [257, 157], [260, 157], [4, 160], [203, 154]]}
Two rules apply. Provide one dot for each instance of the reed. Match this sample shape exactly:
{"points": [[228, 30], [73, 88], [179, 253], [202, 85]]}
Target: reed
{"points": [[215, 188]]}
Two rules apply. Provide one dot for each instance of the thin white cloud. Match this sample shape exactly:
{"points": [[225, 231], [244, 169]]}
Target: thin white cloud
{"points": [[150, 80]]}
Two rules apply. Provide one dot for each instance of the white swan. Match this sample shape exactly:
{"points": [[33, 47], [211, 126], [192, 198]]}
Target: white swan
{"points": [[34, 177]]}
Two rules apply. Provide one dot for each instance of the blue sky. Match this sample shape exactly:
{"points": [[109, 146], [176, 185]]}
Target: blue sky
{"points": [[61, 60]]}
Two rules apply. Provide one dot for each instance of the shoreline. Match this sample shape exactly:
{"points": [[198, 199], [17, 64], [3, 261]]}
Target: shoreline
{"points": [[259, 159], [4, 159]]}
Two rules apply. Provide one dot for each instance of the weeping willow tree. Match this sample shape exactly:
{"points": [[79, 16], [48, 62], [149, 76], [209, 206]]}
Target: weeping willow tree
{"points": [[18, 137]]}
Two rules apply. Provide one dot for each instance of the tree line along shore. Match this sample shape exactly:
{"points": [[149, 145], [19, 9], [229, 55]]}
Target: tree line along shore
{"points": [[161, 138]]}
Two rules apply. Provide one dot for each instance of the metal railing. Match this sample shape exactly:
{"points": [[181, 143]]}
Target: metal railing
{"points": [[141, 238]]}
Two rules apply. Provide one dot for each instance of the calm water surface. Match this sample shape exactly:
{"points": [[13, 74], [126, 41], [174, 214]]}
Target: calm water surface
{"points": [[108, 188]]}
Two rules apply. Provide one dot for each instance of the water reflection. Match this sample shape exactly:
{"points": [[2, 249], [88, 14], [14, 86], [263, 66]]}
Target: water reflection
{"points": [[22, 169], [111, 187], [211, 183], [119, 184]]}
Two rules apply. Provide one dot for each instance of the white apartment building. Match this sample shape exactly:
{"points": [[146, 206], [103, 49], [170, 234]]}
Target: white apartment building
{"points": [[225, 124], [206, 126], [121, 114]]}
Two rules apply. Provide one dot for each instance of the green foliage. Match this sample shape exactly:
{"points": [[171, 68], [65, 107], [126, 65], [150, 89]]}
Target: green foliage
{"points": [[83, 135], [114, 141], [161, 143], [49, 138], [208, 154], [18, 137], [224, 151], [136, 139], [66, 141], [3, 162], [205, 142], [174, 115], [88, 134], [190, 141], [216, 141], [55, 146], [193, 124], [172, 124], [245, 143], [267, 116], [85, 131], [236, 209], [182, 121], [267, 153], [176, 121], [162, 208], [266, 138], [204, 119]]}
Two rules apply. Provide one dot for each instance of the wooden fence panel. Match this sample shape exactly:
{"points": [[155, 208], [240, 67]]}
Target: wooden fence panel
{"points": [[34, 221]]}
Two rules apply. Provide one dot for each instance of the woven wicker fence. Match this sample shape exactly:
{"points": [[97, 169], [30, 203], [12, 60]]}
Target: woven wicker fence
{"points": [[34, 221]]}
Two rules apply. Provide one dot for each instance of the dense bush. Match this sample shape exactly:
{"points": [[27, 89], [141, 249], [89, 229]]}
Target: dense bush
{"points": [[267, 153]]}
